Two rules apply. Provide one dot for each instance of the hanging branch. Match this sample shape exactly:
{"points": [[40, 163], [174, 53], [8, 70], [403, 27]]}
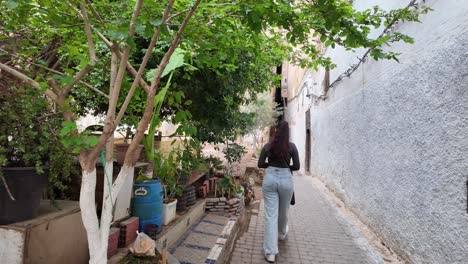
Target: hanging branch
{"points": [[362, 59]]}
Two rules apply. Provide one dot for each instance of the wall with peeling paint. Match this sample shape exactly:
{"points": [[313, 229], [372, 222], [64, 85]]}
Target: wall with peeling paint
{"points": [[392, 140]]}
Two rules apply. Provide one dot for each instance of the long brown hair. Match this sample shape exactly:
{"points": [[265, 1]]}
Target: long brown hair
{"points": [[280, 144]]}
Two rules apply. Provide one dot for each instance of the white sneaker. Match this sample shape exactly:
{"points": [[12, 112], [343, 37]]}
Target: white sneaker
{"points": [[270, 258], [283, 237]]}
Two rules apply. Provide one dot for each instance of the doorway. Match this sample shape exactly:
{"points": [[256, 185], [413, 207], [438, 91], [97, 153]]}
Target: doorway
{"points": [[307, 141]]}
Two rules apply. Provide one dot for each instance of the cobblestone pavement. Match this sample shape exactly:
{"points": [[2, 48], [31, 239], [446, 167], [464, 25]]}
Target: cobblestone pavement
{"points": [[315, 235]]}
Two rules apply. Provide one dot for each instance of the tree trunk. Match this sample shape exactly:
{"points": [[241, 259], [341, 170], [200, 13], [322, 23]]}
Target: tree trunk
{"points": [[98, 234], [89, 216]]}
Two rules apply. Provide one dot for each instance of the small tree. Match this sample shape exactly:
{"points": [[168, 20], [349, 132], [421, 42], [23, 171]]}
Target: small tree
{"points": [[264, 115], [89, 147]]}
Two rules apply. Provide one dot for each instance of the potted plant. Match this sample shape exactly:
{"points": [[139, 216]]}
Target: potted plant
{"points": [[228, 187], [191, 167], [166, 170], [213, 164], [30, 150]]}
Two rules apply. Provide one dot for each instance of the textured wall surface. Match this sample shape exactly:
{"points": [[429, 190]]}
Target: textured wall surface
{"points": [[11, 246], [392, 140]]}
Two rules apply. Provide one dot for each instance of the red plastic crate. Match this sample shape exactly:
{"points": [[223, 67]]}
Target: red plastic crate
{"points": [[113, 242], [128, 230]]}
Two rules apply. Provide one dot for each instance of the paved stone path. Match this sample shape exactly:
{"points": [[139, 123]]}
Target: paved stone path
{"points": [[315, 235]]}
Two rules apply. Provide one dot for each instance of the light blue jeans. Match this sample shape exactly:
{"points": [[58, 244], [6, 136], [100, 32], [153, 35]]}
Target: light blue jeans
{"points": [[277, 193]]}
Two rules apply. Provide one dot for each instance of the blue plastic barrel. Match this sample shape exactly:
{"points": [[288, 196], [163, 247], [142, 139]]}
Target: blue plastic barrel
{"points": [[147, 202]]}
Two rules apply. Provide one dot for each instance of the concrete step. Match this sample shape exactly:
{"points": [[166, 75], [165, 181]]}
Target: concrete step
{"points": [[210, 240]]}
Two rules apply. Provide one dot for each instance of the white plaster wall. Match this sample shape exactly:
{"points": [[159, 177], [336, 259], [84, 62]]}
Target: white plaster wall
{"points": [[392, 140], [11, 246], [297, 130]]}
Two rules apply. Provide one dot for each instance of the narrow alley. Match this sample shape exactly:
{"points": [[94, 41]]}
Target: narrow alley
{"points": [[141, 132], [316, 233]]}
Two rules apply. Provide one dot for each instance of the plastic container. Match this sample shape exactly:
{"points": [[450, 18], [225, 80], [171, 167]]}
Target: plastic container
{"points": [[148, 191], [147, 202], [169, 212]]}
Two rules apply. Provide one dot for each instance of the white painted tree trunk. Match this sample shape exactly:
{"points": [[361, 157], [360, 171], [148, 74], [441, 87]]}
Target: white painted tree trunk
{"points": [[98, 234], [89, 215]]}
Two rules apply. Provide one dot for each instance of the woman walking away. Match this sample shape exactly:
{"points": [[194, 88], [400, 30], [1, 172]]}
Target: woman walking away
{"points": [[277, 187]]}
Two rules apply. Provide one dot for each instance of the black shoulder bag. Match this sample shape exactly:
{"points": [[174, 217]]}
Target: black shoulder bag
{"points": [[293, 198]]}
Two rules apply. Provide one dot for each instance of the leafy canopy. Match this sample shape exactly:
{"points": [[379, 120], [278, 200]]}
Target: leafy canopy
{"points": [[230, 48]]}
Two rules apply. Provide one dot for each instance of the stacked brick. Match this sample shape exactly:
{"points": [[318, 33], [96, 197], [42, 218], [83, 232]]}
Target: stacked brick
{"points": [[128, 230], [233, 206], [122, 236], [113, 242]]}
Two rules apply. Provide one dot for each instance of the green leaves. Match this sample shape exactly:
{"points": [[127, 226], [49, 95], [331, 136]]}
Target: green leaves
{"points": [[234, 152], [227, 52], [176, 61], [11, 4], [76, 141], [155, 22]]}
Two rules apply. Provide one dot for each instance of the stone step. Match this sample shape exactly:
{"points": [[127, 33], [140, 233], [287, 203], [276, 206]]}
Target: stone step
{"points": [[210, 240]]}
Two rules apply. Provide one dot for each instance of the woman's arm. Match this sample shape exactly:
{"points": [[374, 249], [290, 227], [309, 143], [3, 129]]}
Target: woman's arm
{"points": [[262, 159], [295, 157]]}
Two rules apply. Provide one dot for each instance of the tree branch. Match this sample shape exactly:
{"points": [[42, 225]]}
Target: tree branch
{"points": [[62, 102], [109, 127], [146, 118], [146, 58], [95, 13], [28, 80], [124, 59], [178, 14], [52, 83], [55, 71], [143, 124], [92, 54], [174, 44], [130, 68]]}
